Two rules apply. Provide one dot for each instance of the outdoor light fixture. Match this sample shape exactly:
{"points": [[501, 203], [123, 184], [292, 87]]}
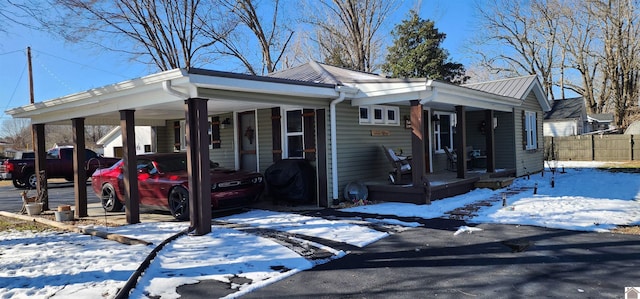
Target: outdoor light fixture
{"points": [[225, 123]]}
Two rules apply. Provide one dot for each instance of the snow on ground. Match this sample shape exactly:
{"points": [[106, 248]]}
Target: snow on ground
{"points": [[68, 265]]}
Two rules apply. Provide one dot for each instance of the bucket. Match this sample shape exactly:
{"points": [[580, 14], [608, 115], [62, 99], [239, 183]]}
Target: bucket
{"points": [[64, 215], [34, 208]]}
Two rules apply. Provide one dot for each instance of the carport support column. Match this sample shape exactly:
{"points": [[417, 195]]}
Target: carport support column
{"points": [[490, 140], [129, 169], [41, 161], [417, 144], [460, 141], [79, 171], [198, 165]]}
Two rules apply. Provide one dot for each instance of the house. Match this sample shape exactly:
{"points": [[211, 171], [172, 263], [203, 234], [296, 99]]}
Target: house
{"points": [[111, 143], [568, 117], [335, 119], [601, 122]]}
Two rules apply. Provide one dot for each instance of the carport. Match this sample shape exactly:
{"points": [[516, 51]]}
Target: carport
{"points": [[152, 100]]}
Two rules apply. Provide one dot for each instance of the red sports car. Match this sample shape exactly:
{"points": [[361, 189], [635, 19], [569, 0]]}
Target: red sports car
{"points": [[163, 185]]}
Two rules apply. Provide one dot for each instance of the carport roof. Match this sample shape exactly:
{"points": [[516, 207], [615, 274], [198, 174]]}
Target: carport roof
{"points": [[160, 97]]}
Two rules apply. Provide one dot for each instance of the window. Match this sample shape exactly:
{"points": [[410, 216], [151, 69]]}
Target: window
{"points": [[530, 130], [181, 139], [364, 115], [444, 130], [379, 115], [294, 133]]}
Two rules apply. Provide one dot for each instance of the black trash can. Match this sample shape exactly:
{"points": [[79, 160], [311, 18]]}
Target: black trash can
{"points": [[291, 180]]}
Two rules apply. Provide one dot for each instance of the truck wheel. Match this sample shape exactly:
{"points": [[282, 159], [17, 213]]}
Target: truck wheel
{"points": [[109, 199], [32, 180], [179, 203], [18, 183]]}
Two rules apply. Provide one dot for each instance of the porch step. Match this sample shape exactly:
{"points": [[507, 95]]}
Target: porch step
{"points": [[494, 183]]}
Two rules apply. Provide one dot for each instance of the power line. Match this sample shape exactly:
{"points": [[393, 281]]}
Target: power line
{"points": [[11, 52], [14, 89], [81, 64]]}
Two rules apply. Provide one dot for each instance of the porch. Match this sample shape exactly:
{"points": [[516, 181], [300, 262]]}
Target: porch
{"points": [[441, 184]]}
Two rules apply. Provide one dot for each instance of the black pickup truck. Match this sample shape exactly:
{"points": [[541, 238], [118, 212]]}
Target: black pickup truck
{"points": [[59, 165]]}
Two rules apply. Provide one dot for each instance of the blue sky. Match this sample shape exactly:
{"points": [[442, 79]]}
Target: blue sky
{"points": [[60, 69]]}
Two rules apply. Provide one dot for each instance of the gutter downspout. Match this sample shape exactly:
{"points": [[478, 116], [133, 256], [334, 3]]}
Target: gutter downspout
{"points": [[334, 146], [166, 86], [434, 94]]}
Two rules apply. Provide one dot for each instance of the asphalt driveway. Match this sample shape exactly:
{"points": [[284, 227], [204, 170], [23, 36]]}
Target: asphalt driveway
{"points": [[501, 261]]}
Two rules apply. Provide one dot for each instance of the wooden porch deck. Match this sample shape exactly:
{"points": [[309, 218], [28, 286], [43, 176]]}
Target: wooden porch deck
{"points": [[442, 184]]}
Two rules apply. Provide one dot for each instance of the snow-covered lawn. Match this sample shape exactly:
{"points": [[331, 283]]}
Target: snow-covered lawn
{"points": [[68, 265]]}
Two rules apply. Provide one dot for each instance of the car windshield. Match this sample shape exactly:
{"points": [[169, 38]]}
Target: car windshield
{"points": [[172, 164], [177, 163]]}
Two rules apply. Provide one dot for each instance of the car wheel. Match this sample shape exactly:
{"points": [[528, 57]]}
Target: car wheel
{"points": [[179, 203], [18, 183], [32, 181], [109, 199]]}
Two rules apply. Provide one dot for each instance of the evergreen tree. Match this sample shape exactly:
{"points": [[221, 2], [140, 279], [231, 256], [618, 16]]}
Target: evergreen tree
{"points": [[416, 53]]}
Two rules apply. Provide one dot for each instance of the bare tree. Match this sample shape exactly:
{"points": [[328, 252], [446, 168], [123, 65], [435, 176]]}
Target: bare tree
{"points": [[18, 12], [164, 33], [620, 58], [528, 32], [271, 35], [581, 47], [590, 47], [18, 132], [346, 31]]}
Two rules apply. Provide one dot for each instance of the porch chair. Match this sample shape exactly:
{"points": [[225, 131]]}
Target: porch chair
{"points": [[401, 165], [452, 158]]}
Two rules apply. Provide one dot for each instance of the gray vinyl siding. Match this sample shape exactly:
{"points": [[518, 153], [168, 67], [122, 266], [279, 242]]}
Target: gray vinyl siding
{"points": [[164, 138], [360, 155], [225, 155], [528, 161], [265, 141]]}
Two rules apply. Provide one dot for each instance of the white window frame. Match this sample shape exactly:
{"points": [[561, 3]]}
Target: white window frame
{"points": [[396, 112], [439, 148], [531, 129], [183, 134], [384, 119], [367, 119], [286, 133]]}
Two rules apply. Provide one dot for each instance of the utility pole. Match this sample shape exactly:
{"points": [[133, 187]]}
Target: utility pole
{"points": [[41, 158], [31, 95]]}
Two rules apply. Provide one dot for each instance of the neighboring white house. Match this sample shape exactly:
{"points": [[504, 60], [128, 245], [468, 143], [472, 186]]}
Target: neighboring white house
{"points": [[568, 117], [112, 142]]}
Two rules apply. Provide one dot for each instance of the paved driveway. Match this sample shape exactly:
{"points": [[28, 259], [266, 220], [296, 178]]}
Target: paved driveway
{"points": [[501, 261]]}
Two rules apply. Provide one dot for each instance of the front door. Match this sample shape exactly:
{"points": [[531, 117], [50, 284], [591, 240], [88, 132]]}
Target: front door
{"points": [[247, 141]]}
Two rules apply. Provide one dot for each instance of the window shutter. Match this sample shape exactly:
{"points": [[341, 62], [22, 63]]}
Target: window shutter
{"points": [[309, 123], [276, 135], [524, 130], [215, 132], [176, 135], [537, 132]]}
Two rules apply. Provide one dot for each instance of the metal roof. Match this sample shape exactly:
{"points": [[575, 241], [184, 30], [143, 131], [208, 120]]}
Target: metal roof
{"points": [[323, 73], [517, 87]]}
